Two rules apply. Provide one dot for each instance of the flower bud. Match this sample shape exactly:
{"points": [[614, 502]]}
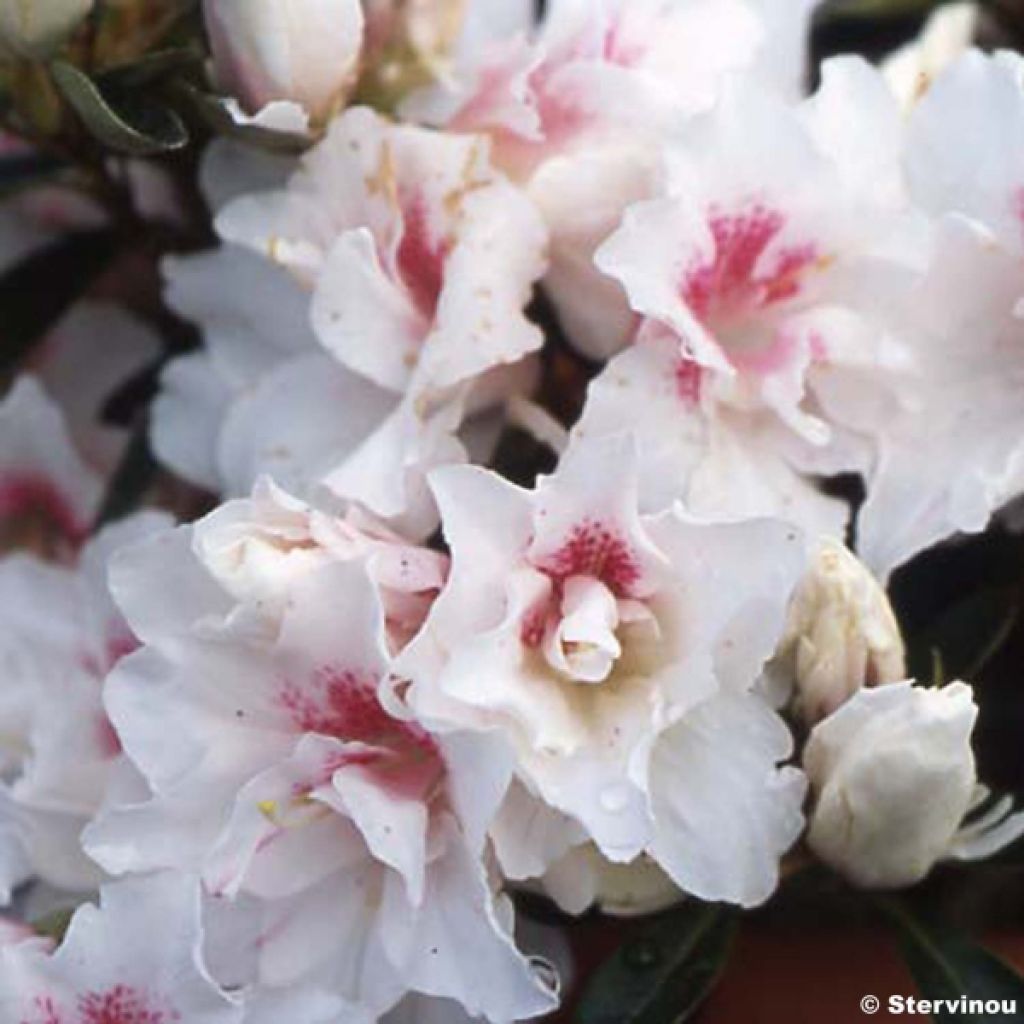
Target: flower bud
{"points": [[302, 51], [841, 634], [35, 28], [894, 775]]}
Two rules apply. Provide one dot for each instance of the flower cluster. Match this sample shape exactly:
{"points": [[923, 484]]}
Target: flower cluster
{"points": [[307, 743]]}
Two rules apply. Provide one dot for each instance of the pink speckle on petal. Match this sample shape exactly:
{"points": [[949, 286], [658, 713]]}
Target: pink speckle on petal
{"points": [[421, 258], [344, 704], [688, 380], [534, 625], [595, 550], [123, 1005]]}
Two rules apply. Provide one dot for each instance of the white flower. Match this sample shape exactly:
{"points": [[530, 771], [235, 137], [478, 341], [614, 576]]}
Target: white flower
{"points": [[841, 635], [302, 53], [596, 67], [367, 416], [946, 34], [764, 280], [135, 957], [419, 256], [578, 111], [951, 453], [616, 654], [34, 28], [273, 769], [59, 636], [894, 778]]}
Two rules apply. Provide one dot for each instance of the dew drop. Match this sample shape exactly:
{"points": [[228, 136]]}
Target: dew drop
{"points": [[642, 955], [614, 800]]}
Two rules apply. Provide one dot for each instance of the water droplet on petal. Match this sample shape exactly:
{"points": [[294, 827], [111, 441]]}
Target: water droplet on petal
{"points": [[615, 800]]}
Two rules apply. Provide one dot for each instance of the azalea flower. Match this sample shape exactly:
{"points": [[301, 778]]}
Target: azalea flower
{"points": [[358, 835], [765, 279], [578, 110], [895, 780], [607, 650], [59, 636], [419, 257], [286, 387], [950, 453]]}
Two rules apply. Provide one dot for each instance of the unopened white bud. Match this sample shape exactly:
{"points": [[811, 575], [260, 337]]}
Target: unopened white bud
{"points": [[841, 634], [301, 51]]}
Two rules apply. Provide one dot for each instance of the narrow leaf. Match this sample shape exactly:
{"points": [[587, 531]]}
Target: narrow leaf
{"points": [[121, 119], [951, 970], [965, 636], [664, 974]]}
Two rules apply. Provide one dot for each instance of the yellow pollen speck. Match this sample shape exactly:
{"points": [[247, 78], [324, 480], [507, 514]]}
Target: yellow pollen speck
{"points": [[268, 808]]}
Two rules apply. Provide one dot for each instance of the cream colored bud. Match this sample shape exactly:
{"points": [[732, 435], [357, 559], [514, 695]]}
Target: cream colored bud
{"points": [[841, 635]]}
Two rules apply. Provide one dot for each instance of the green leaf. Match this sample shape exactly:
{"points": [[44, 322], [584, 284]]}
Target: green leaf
{"points": [[949, 967], [120, 118], [664, 974], [131, 480], [965, 637], [36, 293]]}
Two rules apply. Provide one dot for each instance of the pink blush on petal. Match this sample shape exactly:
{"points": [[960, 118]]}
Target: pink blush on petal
{"points": [[688, 376], [421, 258], [344, 704], [24, 495], [733, 282]]}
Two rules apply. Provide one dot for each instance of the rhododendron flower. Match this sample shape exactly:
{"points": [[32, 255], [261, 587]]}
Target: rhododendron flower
{"points": [[579, 112], [765, 280], [894, 779], [267, 397], [596, 68], [608, 652], [950, 452], [285, 780], [59, 636], [419, 256], [136, 957]]}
